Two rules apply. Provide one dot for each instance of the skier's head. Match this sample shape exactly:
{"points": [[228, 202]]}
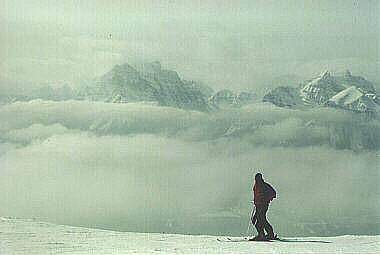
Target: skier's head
{"points": [[259, 178]]}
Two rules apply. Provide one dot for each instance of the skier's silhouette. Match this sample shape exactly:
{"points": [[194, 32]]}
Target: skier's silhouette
{"points": [[263, 194]]}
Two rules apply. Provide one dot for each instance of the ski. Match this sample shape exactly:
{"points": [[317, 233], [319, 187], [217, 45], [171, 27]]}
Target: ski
{"points": [[276, 238], [229, 239], [240, 239]]}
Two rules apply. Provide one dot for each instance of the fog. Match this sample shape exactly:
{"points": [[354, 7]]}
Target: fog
{"points": [[141, 167], [240, 45]]}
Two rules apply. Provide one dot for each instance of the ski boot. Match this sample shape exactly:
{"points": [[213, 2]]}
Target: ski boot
{"points": [[259, 238], [271, 236]]}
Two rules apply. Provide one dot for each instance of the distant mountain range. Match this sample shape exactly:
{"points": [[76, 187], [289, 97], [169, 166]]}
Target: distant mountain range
{"points": [[151, 83]]}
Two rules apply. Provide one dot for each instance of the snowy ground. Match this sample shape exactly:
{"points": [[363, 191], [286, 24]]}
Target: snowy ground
{"points": [[31, 237]]}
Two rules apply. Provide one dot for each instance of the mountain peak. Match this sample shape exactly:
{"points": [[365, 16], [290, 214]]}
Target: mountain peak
{"points": [[346, 91], [324, 78], [146, 82], [325, 75]]}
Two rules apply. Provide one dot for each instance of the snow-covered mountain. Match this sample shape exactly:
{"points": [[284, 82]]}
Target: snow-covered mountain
{"points": [[353, 99], [348, 92], [124, 84], [319, 90], [149, 82], [120, 85], [359, 82], [32, 237]]}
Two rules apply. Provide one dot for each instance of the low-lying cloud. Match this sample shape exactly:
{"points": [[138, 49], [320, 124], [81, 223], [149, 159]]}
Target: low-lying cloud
{"points": [[140, 167], [256, 122]]}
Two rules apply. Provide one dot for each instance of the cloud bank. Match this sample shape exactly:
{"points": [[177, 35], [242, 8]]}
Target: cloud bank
{"points": [[140, 167]]}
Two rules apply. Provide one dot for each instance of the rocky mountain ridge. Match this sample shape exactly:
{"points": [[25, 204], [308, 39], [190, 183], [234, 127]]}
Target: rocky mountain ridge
{"points": [[348, 92], [125, 84], [151, 83]]}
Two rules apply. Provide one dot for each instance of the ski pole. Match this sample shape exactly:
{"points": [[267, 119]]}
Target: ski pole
{"points": [[250, 219]]}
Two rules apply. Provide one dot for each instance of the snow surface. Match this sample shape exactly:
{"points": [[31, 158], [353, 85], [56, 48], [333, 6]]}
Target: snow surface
{"points": [[352, 99], [31, 237], [347, 96]]}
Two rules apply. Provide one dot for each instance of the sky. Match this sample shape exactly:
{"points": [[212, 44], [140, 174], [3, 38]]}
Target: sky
{"points": [[240, 45]]}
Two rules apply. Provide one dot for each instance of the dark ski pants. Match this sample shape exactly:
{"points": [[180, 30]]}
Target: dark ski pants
{"points": [[261, 220]]}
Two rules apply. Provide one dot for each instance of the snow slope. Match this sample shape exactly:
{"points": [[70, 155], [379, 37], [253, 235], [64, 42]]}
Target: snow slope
{"points": [[320, 89], [32, 237], [347, 96], [352, 99]]}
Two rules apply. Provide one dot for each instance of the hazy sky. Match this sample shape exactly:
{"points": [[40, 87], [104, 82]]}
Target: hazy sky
{"points": [[228, 44]]}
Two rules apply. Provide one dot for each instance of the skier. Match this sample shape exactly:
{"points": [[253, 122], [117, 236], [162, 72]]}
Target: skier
{"points": [[263, 194]]}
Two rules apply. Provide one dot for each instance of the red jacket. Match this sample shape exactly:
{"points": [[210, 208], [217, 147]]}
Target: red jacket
{"points": [[263, 193]]}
